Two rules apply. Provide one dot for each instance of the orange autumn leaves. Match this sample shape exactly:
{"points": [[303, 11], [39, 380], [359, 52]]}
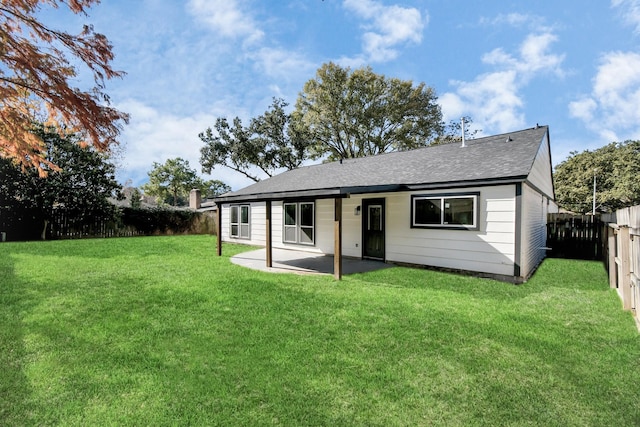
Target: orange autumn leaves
{"points": [[36, 75]]}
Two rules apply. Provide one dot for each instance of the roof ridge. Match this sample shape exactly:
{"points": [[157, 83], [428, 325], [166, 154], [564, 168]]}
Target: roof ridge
{"points": [[473, 140]]}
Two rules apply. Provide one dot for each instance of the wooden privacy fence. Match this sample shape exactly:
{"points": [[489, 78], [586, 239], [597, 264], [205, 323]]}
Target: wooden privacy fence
{"points": [[29, 224], [131, 222], [612, 238], [575, 236], [624, 257]]}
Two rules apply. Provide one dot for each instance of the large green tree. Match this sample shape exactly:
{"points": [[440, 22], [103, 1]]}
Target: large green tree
{"points": [[616, 167], [172, 181], [271, 142], [355, 113], [81, 183]]}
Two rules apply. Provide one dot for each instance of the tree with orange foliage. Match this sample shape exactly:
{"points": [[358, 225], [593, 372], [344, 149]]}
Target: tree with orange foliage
{"points": [[35, 74]]}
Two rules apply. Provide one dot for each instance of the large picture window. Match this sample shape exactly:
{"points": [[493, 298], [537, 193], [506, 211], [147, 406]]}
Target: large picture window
{"points": [[299, 223], [445, 211], [240, 221]]}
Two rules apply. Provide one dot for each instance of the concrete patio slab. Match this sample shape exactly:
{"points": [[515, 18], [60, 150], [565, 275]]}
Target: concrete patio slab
{"points": [[292, 261]]}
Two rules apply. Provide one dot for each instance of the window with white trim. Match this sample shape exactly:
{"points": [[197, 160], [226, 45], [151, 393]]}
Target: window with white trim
{"points": [[445, 211], [240, 221], [299, 223]]}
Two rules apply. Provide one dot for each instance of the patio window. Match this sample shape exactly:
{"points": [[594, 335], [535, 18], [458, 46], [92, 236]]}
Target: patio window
{"points": [[240, 222], [457, 211], [299, 223]]}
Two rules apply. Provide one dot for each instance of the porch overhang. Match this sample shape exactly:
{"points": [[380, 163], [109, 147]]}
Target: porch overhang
{"points": [[323, 193], [346, 191]]}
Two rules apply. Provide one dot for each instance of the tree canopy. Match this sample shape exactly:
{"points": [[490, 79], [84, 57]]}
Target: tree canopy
{"points": [[341, 113], [172, 181], [271, 141], [356, 113], [453, 132], [37, 74], [616, 167], [81, 184]]}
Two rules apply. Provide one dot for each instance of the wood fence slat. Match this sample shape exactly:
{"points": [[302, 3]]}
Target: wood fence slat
{"points": [[625, 267], [575, 236], [624, 258], [611, 251]]}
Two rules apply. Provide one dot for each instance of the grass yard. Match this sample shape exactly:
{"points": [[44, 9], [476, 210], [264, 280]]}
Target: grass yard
{"points": [[159, 331]]}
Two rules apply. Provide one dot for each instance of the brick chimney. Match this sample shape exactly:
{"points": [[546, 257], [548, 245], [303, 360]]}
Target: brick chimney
{"points": [[195, 199]]}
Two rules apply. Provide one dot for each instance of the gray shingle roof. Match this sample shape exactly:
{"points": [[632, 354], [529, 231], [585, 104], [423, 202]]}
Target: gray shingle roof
{"points": [[505, 157]]}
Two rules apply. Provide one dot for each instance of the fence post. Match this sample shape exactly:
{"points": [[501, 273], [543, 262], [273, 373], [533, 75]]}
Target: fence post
{"points": [[613, 268], [625, 273], [634, 276]]}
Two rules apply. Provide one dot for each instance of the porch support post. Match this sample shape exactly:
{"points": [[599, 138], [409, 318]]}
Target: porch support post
{"points": [[219, 229], [269, 239], [337, 239]]}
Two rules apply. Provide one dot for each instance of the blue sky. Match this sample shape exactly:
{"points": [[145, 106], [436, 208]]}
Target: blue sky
{"points": [[572, 64]]}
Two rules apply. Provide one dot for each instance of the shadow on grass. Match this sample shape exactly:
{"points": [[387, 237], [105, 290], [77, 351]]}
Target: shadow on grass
{"points": [[15, 390], [554, 273], [114, 247]]}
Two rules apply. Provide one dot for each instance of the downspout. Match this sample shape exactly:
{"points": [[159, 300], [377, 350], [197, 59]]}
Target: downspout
{"points": [[219, 229], [517, 258]]}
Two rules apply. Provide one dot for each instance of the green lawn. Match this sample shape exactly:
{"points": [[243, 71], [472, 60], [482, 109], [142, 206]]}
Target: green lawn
{"points": [[160, 331]]}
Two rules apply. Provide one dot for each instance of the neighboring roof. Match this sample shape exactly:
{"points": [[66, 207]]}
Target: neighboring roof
{"points": [[208, 205], [506, 157]]}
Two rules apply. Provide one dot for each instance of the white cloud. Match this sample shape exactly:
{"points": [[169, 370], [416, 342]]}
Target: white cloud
{"points": [[533, 57], [536, 58], [583, 109], [494, 99], [630, 11], [282, 64], [227, 18], [249, 49], [491, 100], [613, 108], [387, 28], [517, 20], [155, 136]]}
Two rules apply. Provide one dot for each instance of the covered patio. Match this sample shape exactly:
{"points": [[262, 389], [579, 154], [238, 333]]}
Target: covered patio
{"points": [[299, 262], [302, 261]]}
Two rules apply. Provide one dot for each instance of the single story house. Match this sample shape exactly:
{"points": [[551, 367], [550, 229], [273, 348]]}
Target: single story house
{"points": [[480, 206]]}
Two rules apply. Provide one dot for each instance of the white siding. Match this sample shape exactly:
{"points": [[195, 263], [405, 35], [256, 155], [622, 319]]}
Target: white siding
{"points": [[535, 208], [537, 202], [277, 225], [352, 227], [489, 249], [324, 208], [324, 228], [257, 230], [258, 236], [540, 175]]}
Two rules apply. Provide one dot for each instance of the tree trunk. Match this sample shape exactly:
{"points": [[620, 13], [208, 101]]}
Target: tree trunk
{"points": [[43, 236]]}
